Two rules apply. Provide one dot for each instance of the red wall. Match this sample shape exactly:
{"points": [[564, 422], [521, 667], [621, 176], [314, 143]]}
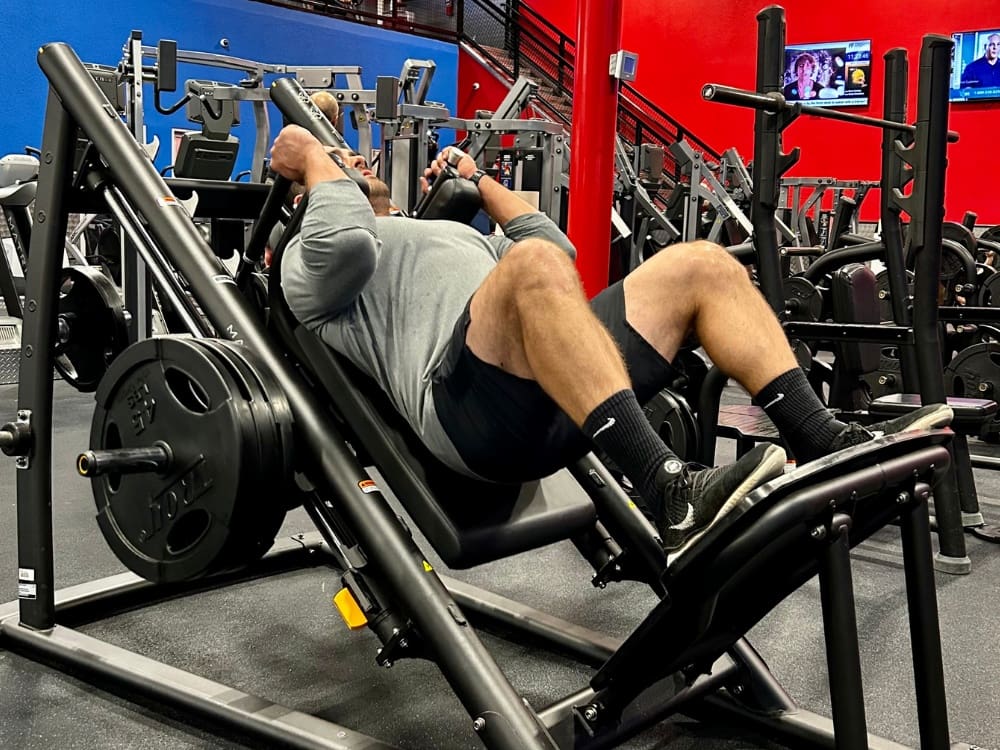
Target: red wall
{"points": [[470, 97], [687, 43]]}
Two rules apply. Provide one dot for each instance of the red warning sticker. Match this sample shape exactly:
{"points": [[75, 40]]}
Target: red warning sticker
{"points": [[367, 486]]}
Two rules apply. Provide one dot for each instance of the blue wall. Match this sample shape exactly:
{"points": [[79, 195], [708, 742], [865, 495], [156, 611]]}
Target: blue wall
{"points": [[98, 29]]}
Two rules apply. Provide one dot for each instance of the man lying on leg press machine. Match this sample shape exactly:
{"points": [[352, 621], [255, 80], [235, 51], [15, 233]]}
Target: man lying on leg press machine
{"points": [[491, 351]]}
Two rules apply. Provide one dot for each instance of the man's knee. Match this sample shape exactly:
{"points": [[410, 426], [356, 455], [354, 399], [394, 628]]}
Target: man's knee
{"points": [[697, 262], [537, 265]]}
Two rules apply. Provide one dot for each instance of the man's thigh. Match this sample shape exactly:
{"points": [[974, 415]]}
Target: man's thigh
{"points": [[505, 427], [647, 369]]}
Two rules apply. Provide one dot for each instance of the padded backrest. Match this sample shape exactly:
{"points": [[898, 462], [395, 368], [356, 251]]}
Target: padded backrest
{"points": [[468, 522], [451, 198], [855, 300]]}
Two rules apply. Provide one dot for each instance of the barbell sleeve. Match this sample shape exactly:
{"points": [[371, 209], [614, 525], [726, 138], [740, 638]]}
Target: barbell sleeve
{"points": [[775, 102], [155, 458], [716, 92]]}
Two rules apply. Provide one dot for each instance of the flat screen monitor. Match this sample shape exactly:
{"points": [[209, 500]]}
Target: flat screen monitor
{"points": [[828, 74], [975, 74]]}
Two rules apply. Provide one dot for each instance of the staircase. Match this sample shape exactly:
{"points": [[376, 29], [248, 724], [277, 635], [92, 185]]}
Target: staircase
{"points": [[514, 40]]}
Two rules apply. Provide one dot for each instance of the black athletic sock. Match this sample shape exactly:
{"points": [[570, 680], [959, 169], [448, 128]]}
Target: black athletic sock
{"points": [[619, 427], [799, 415]]}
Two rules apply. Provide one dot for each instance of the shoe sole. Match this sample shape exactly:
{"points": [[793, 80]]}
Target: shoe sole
{"points": [[772, 465], [940, 417]]}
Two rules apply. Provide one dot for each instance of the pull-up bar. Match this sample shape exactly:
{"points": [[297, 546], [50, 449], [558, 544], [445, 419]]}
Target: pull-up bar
{"points": [[775, 102]]}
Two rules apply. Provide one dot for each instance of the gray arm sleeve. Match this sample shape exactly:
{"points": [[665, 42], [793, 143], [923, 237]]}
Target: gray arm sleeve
{"points": [[334, 256], [532, 225]]}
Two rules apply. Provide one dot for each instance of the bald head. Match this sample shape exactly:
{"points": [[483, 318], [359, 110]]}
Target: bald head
{"points": [[327, 104], [993, 47]]}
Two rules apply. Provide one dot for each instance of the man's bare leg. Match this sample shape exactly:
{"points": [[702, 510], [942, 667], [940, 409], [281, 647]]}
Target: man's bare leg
{"points": [[711, 294], [700, 287], [531, 319]]}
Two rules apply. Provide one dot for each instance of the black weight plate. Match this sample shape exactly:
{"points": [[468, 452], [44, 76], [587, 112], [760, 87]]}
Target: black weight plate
{"points": [[182, 524], [989, 291], [885, 296], [283, 422], [959, 233], [889, 377], [93, 326], [692, 369], [261, 514], [803, 301], [803, 354], [955, 261], [273, 417], [974, 372], [674, 422], [992, 234]]}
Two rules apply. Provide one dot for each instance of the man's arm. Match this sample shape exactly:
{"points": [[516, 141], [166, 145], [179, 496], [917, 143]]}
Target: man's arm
{"points": [[500, 203], [518, 218], [299, 156], [336, 252]]}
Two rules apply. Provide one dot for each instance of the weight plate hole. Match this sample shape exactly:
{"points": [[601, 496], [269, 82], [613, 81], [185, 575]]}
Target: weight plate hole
{"points": [[188, 531], [187, 391], [112, 441]]}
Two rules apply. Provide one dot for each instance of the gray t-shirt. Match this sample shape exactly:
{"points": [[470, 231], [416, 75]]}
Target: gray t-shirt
{"points": [[386, 292]]}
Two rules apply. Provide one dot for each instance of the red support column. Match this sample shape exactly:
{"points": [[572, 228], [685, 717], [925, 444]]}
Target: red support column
{"points": [[595, 117]]}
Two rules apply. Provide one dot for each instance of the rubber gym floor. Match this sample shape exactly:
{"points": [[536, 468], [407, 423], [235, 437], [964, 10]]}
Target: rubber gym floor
{"points": [[282, 639]]}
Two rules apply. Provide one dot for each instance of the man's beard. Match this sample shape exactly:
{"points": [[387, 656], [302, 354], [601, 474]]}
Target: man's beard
{"points": [[378, 196]]}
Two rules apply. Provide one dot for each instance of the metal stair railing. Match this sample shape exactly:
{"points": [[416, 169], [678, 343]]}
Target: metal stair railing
{"points": [[516, 40], [522, 42]]}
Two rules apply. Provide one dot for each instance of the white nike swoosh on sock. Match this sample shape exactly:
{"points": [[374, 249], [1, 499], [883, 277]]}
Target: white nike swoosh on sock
{"points": [[688, 521], [776, 399], [606, 426]]}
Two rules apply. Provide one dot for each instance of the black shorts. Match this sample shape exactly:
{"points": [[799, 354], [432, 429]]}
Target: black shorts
{"points": [[507, 428]]}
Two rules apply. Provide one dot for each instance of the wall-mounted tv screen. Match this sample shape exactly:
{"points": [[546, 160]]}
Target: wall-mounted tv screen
{"points": [[831, 74], [975, 72]]}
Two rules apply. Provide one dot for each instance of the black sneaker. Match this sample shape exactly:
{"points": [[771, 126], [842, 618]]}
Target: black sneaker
{"points": [[711, 493], [933, 416]]}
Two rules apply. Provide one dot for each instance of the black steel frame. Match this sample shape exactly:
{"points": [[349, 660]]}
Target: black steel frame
{"points": [[76, 101], [37, 626], [910, 152]]}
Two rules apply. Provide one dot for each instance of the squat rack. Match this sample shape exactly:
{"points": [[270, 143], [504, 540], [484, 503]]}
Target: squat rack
{"points": [[910, 152]]}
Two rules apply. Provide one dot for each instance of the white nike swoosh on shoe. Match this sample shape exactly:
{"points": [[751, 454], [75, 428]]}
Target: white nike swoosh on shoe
{"points": [[769, 468], [688, 521], [606, 426], [877, 433], [771, 403]]}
